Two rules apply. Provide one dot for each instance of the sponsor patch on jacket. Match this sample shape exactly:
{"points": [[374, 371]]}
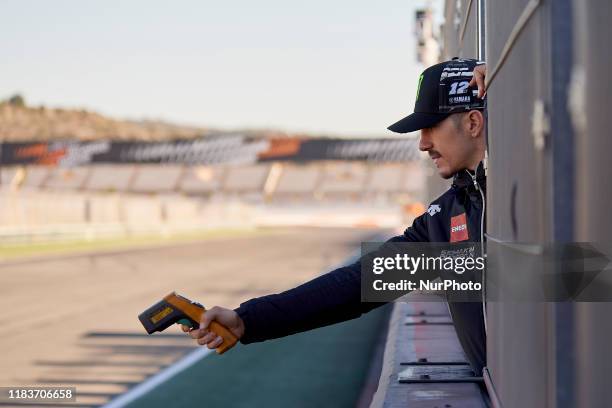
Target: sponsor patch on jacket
{"points": [[458, 228]]}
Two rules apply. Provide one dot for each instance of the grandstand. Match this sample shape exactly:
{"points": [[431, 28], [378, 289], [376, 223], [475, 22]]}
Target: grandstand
{"points": [[342, 180], [298, 181], [110, 178], [155, 179], [328, 180], [67, 179], [200, 180], [245, 181], [34, 177], [101, 199]]}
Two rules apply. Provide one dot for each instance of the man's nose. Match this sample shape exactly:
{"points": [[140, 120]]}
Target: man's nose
{"points": [[424, 141]]}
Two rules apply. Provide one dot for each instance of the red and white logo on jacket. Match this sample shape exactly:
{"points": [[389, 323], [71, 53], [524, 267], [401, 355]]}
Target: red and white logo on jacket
{"points": [[458, 228]]}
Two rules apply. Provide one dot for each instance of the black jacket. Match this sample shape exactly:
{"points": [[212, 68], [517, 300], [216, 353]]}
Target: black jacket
{"points": [[336, 296]]}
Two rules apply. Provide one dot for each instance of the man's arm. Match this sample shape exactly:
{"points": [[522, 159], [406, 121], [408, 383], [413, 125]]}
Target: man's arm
{"points": [[327, 299], [330, 298]]}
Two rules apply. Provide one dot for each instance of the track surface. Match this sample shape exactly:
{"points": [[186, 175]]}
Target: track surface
{"points": [[73, 321]]}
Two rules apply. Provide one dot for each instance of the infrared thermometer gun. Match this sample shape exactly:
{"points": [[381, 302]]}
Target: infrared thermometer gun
{"points": [[175, 308]]}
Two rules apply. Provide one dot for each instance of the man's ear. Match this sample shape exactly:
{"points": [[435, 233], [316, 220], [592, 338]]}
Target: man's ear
{"points": [[475, 122]]}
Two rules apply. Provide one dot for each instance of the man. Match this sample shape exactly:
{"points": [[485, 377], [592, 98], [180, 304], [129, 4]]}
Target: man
{"points": [[448, 111]]}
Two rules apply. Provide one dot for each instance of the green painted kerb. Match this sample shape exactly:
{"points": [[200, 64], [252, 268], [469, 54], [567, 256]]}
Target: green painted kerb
{"points": [[321, 368]]}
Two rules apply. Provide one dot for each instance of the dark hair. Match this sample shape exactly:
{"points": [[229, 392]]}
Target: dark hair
{"points": [[456, 118]]}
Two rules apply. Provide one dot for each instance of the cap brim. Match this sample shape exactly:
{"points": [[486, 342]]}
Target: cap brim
{"points": [[417, 121]]}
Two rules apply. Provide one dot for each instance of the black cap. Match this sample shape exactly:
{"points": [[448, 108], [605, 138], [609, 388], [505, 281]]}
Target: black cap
{"points": [[442, 89]]}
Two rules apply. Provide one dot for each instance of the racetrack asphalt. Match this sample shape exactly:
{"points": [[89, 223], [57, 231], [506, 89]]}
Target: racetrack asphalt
{"points": [[73, 320]]}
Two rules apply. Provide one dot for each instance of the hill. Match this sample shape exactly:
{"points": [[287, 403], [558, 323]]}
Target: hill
{"points": [[19, 122]]}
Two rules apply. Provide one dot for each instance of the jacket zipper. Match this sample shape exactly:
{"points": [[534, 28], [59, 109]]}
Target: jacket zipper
{"points": [[482, 251], [482, 215]]}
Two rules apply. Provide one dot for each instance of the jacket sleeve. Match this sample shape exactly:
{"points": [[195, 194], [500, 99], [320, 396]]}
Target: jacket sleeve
{"points": [[330, 298]]}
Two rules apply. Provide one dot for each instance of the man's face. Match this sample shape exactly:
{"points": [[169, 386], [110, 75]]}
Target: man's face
{"points": [[450, 147]]}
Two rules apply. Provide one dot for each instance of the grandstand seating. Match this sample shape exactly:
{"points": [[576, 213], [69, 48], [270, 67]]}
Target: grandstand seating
{"points": [[103, 200], [343, 178], [385, 178], [7, 175], [35, 176], [298, 179], [413, 177], [110, 177], [327, 180], [201, 180], [245, 179], [156, 178], [330, 178], [68, 179]]}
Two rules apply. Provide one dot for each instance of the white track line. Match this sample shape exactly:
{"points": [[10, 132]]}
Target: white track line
{"points": [[152, 382]]}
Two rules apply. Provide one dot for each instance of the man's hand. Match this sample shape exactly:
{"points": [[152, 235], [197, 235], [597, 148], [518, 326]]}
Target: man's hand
{"points": [[226, 317], [480, 72]]}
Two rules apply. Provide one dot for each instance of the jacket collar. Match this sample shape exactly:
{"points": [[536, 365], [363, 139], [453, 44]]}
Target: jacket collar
{"points": [[465, 178]]}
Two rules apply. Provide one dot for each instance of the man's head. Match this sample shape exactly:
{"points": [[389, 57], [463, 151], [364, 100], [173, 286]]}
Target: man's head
{"points": [[455, 143], [449, 114]]}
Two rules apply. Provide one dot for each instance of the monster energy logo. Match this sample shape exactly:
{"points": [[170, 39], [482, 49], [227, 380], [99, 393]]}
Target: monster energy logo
{"points": [[419, 86]]}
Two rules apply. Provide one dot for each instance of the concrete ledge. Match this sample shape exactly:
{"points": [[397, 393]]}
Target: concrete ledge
{"points": [[436, 343]]}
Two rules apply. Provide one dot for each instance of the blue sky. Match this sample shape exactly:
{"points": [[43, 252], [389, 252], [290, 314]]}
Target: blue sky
{"points": [[335, 67]]}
